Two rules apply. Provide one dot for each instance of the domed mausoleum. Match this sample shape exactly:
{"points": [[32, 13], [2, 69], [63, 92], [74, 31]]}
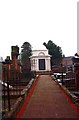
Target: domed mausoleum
{"points": [[40, 60]]}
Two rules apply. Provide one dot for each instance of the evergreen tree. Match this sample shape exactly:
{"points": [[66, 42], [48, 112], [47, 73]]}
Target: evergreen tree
{"points": [[55, 51], [26, 52]]}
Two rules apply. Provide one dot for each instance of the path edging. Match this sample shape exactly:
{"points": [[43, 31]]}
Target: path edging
{"points": [[69, 96], [19, 102]]}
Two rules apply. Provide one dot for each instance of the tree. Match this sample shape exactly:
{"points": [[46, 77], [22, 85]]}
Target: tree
{"points": [[55, 51], [26, 52]]}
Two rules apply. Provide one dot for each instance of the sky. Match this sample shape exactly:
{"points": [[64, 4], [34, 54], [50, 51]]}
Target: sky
{"points": [[38, 21]]}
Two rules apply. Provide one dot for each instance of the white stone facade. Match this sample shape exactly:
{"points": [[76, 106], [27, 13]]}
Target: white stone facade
{"points": [[40, 60]]}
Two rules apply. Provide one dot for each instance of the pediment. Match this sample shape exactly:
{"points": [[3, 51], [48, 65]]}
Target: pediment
{"points": [[41, 54]]}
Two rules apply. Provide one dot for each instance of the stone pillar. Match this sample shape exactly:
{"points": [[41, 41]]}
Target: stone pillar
{"points": [[76, 70]]}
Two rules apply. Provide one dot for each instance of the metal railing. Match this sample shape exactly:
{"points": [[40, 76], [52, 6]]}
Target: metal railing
{"points": [[10, 92]]}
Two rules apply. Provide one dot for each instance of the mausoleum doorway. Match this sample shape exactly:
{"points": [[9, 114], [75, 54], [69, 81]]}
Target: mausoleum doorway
{"points": [[41, 64]]}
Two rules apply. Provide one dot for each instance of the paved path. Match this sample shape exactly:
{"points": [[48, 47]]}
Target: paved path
{"points": [[47, 101]]}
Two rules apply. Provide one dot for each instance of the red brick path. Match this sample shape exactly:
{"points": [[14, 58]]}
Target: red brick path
{"points": [[48, 101]]}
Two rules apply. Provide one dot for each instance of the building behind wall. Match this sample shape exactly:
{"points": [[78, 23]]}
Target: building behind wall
{"points": [[68, 63]]}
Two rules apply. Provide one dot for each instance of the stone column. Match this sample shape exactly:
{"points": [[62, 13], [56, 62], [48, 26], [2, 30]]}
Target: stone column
{"points": [[76, 70]]}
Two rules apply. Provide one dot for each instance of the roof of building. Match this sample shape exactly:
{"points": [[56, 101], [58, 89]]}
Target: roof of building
{"points": [[40, 53], [68, 58]]}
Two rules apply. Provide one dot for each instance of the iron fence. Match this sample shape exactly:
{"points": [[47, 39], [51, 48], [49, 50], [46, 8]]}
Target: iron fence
{"points": [[10, 92]]}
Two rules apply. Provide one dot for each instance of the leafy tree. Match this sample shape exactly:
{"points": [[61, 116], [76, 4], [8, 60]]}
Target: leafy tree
{"points": [[55, 51]]}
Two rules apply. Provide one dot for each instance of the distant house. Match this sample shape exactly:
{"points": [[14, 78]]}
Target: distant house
{"points": [[40, 60], [68, 63]]}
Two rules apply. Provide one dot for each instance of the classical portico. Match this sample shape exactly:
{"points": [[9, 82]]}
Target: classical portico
{"points": [[40, 60]]}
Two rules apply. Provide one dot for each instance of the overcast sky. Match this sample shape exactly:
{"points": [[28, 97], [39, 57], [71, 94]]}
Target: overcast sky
{"points": [[37, 21]]}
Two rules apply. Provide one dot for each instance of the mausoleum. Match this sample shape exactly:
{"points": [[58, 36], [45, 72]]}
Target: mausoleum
{"points": [[40, 60]]}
